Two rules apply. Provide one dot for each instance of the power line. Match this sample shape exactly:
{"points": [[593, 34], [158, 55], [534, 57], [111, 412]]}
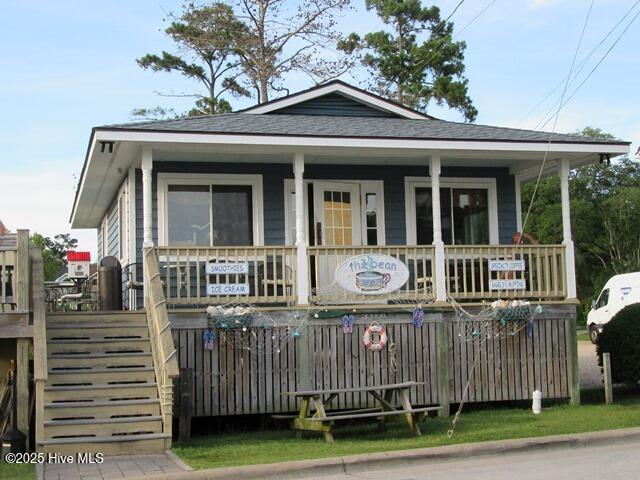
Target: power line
{"points": [[454, 11], [581, 65], [555, 123], [606, 54]]}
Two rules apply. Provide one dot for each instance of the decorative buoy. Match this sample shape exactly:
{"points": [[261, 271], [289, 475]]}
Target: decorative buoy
{"points": [[347, 323], [418, 317], [209, 336], [379, 335]]}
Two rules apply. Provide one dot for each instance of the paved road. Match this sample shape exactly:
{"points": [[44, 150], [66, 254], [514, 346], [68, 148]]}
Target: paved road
{"points": [[590, 374], [613, 462]]}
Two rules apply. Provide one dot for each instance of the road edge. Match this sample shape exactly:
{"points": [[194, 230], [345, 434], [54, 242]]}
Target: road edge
{"points": [[354, 463]]}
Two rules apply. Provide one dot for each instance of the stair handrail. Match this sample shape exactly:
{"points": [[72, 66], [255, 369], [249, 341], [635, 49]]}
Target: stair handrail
{"points": [[39, 316], [163, 349], [39, 309]]}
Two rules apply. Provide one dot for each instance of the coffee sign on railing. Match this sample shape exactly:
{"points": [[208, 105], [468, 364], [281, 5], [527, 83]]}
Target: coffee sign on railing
{"points": [[506, 265], [507, 283], [372, 274]]}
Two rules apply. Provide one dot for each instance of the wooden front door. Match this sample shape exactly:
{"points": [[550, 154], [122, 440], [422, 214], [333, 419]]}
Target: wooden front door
{"points": [[337, 223]]}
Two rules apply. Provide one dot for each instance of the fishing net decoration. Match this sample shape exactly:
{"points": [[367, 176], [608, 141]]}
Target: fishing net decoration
{"points": [[245, 327], [500, 319], [410, 300]]}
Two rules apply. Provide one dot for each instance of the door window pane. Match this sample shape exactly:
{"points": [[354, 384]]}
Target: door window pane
{"points": [[188, 215], [371, 215], [337, 218], [232, 215]]}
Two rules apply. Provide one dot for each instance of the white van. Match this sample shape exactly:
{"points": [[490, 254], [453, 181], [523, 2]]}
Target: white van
{"points": [[618, 292]]}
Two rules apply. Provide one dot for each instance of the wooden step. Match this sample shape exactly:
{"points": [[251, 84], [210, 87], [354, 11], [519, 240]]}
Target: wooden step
{"points": [[109, 445], [100, 318], [94, 410], [98, 360], [96, 332], [55, 347], [101, 376], [89, 393], [102, 427]]}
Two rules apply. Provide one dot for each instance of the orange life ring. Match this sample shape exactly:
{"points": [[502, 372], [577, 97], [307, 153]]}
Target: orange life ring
{"points": [[382, 337]]}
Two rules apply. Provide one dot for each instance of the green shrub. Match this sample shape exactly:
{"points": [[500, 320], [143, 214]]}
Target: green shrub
{"points": [[621, 338]]}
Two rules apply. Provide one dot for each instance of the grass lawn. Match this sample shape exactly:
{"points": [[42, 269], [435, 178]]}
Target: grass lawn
{"points": [[253, 447], [17, 472]]}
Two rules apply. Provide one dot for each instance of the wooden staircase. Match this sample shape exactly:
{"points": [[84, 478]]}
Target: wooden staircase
{"points": [[101, 393]]}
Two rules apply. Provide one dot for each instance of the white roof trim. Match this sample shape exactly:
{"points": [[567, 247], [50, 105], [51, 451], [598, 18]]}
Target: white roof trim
{"points": [[355, 94], [355, 142]]}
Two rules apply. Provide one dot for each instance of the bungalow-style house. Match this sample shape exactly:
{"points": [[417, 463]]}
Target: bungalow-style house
{"points": [[284, 193]]}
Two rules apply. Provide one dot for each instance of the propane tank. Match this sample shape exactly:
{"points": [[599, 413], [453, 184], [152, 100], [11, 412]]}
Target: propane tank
{"points": [[536, 406]]}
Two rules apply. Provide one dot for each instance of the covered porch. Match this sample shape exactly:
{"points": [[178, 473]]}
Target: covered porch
{"points": [[286, 221]]}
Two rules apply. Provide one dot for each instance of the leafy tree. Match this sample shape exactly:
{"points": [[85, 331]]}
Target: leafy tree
{"points": [[54, 252], [621, 250], [281, 36], [205, 36], [415, 61], [605, 218]]}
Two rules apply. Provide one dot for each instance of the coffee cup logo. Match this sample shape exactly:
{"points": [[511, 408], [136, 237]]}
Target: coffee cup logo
{"points": [[372, 274], [371, 281]]}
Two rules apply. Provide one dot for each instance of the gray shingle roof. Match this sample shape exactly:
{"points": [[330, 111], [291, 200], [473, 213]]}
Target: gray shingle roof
{"points": [[349, 127]]}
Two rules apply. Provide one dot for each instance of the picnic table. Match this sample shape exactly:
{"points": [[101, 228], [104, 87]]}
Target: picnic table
{"points": [[313, 414]]}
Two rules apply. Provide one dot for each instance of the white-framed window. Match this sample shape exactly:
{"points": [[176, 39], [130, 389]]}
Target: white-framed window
{"points": [[371, 210], [210, 210], [468, 211]]}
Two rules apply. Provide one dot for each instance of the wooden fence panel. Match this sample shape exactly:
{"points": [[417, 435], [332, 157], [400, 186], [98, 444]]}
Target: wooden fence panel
{"points": [[510, 368], [233, 381]]}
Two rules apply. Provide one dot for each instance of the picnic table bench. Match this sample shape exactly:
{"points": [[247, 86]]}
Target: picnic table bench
{"points": [[313, 414]]}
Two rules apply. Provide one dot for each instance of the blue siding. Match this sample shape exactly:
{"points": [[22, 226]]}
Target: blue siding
{"points": [[100, 244], [334, 104], [113, 231], [393, 177]]}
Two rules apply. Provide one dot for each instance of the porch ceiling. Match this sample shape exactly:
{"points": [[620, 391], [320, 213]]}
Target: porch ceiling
{"points": [[105, 170]]}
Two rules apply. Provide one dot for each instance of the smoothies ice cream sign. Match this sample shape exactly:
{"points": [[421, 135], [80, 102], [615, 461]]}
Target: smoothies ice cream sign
{"points": [[372, 274]]}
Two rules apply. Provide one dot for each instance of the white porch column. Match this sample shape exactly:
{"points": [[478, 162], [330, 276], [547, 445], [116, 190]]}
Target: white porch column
{"points": [[518, 183], [566, 229], [440, 280], [302, 275], [147, 198]]}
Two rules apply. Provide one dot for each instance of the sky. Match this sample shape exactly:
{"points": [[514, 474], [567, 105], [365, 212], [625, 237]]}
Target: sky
{"points": [[67, 66]]}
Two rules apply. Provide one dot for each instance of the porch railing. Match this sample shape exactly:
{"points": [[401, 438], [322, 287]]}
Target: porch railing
{"points": [[266, 275], [469, 277], [323, 261]]}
